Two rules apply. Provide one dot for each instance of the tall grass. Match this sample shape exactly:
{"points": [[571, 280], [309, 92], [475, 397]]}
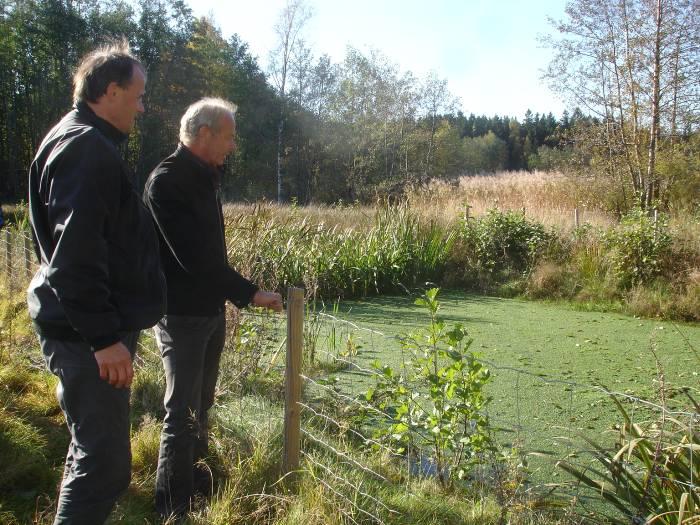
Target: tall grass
{"points": [[549, 198], [393, 251]]}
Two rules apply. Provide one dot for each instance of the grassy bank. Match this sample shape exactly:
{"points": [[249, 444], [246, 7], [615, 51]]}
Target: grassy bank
{"points": [[246, 450], [546, 359]]}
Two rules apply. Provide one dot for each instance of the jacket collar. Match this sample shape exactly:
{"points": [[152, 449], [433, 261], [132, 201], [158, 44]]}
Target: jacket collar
{"points": [[213, 174], [113, 134]]}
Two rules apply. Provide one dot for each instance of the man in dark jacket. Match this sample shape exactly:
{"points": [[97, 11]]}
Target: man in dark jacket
{"points": [[99, 282], [184, 198]]}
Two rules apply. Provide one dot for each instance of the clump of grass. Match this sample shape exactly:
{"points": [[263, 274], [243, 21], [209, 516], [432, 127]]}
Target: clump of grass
{"points": [[395, 252], [23, 462], [15, 325], [686, 305], [148, 386], [549, 280], [33, 438], [244, 459], [423, 502], [145, 444]]}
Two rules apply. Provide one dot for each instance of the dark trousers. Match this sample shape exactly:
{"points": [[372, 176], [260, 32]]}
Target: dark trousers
{"points": [[98, 463], [190, 347]]}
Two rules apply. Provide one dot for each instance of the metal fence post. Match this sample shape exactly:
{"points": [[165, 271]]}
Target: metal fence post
{"points": [[292, 412]]}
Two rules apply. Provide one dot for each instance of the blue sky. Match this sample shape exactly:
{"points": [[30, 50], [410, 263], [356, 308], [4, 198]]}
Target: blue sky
{"points": [[487, 51]]}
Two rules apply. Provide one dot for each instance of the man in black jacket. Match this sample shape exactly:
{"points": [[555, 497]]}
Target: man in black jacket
{"points": [[184, 198], [99, 282]]}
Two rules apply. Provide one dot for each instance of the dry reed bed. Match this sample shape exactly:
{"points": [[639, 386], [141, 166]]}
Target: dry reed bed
{"points": [[549, 198]]}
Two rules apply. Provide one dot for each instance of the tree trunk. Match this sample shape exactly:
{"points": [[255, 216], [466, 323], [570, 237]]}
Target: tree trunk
{"points": [[280, 128], [638, 180], [652, 190]]}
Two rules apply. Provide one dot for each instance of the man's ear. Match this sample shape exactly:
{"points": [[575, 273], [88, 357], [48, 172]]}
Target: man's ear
{"points": [[112, 90], [204, 132]]}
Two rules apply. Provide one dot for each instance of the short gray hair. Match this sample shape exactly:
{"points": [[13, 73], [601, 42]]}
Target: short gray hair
{"points": [[205, 112]]}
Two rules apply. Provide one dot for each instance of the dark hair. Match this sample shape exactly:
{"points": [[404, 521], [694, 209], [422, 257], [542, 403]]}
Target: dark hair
{"points": [[112, 62]]}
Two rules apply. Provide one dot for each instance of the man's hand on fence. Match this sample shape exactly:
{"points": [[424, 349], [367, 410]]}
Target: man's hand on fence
{"points": [[115, 365], [271, 300]]}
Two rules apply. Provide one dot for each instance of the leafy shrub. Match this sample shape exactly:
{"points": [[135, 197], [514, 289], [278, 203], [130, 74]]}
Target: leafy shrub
{"points": [[505, 241], [638, 247], [436, 400]]}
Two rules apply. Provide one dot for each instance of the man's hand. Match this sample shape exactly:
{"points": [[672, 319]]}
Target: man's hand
{"points": [[115, 365], [271, 300]]}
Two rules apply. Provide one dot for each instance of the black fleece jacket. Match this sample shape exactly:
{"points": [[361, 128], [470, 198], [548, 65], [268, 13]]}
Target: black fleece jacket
{"points": [[99, 274], [183, 196]]}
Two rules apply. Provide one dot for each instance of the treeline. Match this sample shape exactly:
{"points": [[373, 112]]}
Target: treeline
{"points": [[43, 40], [318, 131], [350, 130]]}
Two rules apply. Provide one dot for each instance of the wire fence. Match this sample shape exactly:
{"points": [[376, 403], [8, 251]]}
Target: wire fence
{"points": [[543, 419], [17, 259]]}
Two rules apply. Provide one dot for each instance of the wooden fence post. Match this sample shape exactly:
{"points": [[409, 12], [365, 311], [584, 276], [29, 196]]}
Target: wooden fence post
{"points": [[576, 221], [292, 411]]}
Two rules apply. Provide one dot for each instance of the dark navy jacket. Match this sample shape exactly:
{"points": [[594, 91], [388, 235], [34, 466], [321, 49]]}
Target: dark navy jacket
{"points": [[183, 196], [100, 271]]}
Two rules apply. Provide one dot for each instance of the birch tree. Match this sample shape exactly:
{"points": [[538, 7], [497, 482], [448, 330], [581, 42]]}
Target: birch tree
{"points": [[288, 30], [634, 65]]}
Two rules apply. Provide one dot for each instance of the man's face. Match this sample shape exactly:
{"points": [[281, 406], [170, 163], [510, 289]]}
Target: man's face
{"points": [[126, 103], [220, 142]]}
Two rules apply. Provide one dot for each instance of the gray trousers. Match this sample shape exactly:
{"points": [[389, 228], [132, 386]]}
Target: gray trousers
{"points": [[190, 348], [98, 463]]}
